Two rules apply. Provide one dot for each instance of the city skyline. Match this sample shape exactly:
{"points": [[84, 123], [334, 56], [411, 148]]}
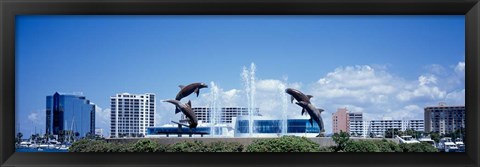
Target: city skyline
{"points": [[393, 65]]}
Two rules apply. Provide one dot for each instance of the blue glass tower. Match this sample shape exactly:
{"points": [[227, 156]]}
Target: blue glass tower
{"points": [[69, 114]]}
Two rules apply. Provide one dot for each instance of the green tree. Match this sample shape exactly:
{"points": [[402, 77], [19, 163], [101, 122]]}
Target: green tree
{"points": [[390, 134], [341, 139], [459, 133], [435, 137], [19, 137], [61, 136]]}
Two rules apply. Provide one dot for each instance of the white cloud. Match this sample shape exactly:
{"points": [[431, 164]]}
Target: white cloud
{"points": [[424, 80], [456, 97], [34, 117], [102, 120], [165, 113], [355, 85], [230, 97], [37, 118], [460, 68], [426, 89], [35, 122], [353, 77], [436, 69], [268, 85]]}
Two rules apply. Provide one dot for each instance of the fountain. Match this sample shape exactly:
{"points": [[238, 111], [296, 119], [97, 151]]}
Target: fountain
{"points": [[248, 77], [283, 95], [213, 107]]}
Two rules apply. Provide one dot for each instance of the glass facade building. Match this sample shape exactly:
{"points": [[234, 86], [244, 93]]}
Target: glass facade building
{"points": [[69, 114], [275, 126], [268, 127]]}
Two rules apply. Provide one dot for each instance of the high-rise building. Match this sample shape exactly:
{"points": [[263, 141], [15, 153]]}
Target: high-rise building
{"points": [[340, 120], [131, 114], [223, 116], [444, 119], [72, 115]]}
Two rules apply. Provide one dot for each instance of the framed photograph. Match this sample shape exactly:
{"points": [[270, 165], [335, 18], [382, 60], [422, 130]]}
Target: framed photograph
{"points": [[239, 83]]}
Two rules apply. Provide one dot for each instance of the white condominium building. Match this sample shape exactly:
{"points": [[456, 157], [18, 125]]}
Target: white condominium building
{"points": [[355, 124], [223, 115], [131, 114], [378, 127]]}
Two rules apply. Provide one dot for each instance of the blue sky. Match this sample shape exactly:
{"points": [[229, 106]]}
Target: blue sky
{"points": [[104, 55]]}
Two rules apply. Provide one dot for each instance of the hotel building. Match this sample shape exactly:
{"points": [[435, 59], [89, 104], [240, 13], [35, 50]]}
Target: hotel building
{"points": [[69, 114], [444, 119], [346, 121], [131, 114], [340, 121]]}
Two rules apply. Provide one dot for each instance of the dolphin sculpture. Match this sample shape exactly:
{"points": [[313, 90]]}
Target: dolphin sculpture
{"points": [[299, 96], [314, 114], [187, 90], [187, 110]]}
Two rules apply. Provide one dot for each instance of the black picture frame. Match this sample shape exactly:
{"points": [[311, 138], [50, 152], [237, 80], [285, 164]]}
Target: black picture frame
{"points": [[11, 8]]}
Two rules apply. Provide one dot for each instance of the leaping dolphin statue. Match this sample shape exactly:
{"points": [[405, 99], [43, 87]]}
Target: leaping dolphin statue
{"points": [[314, 114], [187, 90], [187, 110], [297, 95]]}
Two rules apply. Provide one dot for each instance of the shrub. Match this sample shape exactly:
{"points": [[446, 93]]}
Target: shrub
{"points": [[327, 149], [98, 146], [79, 146], [361, 146], [119, 147], [388, 146], [188, 146], [145, 145], [86, 145], [283, 144], [224, 147], [417, 147]]}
